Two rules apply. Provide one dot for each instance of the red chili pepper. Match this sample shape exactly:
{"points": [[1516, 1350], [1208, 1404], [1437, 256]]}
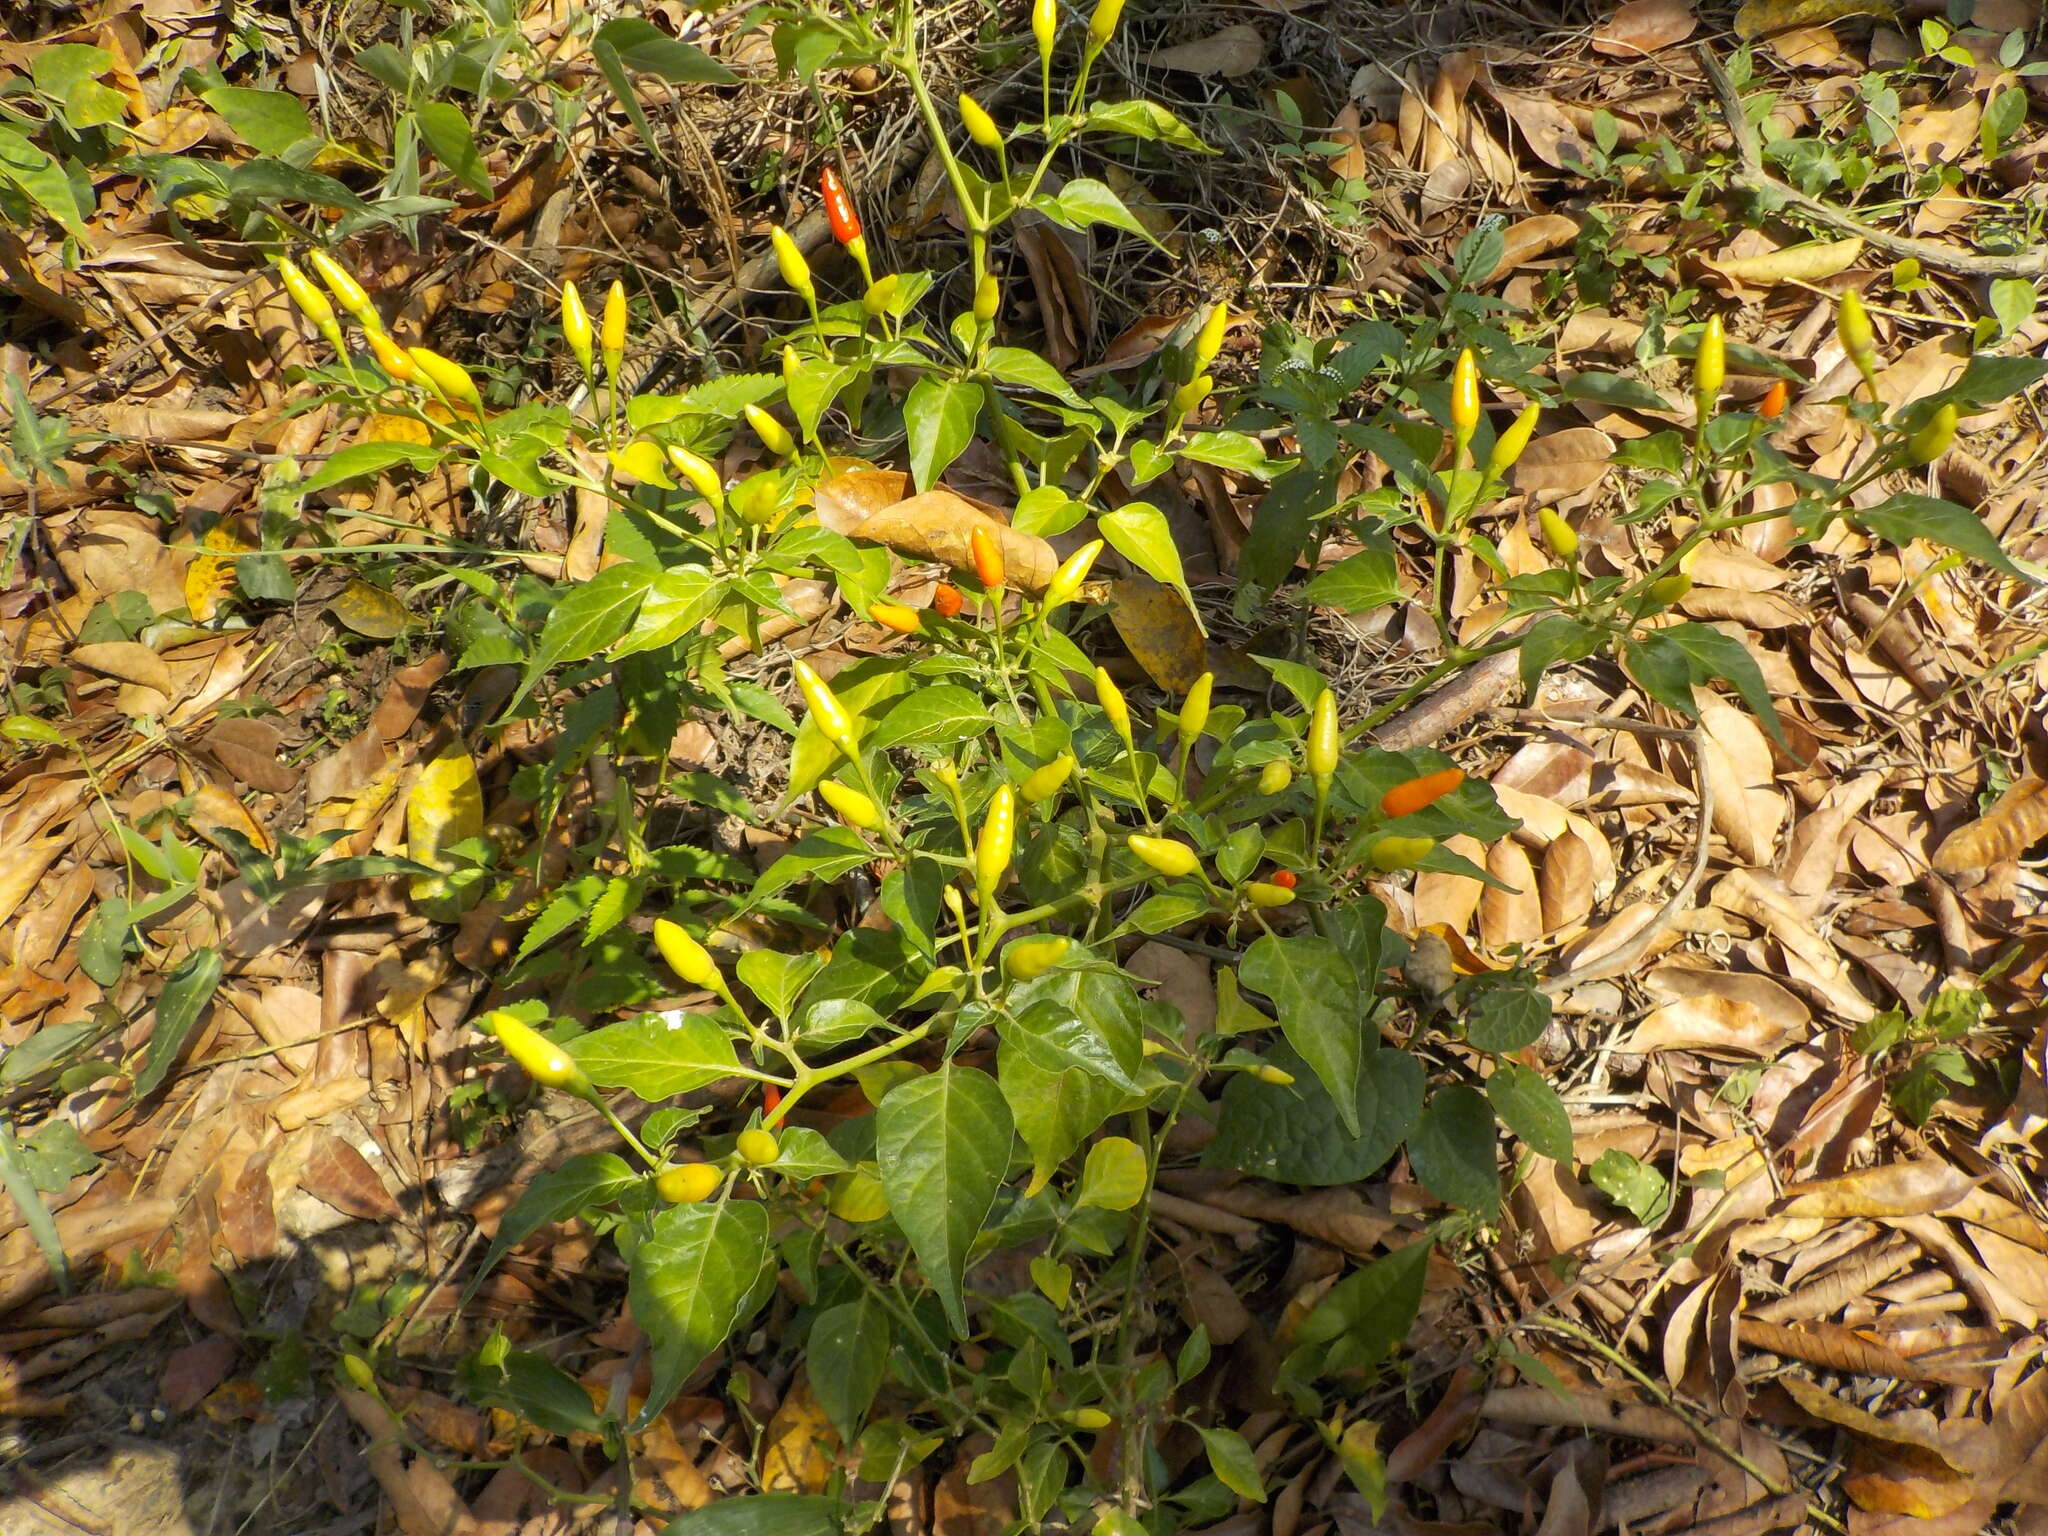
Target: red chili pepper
{"points": [[771, 1099], [1406, 799], [988, 559], [1772, 406], [1286, 879], [839, 207], [947, 600]]}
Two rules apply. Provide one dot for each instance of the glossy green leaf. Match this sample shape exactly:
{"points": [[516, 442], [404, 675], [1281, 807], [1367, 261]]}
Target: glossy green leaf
{"points": [[1139, 532], [942, 1142], [270, 122], [645, 49], [1632, 1184], [1356, 583], [1113, 1178], [1364, 1317], [1453, 1149], [658, 1055], [1530, 1107], [1909, 516], [1316, 997], [689, 1279], [939, 415]]}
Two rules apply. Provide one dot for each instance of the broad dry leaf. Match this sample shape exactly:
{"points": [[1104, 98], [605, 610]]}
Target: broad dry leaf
{"points": [[210, 578], [1231, 53], [127, 660], [1809, 957], [1643, 26], [1448, 901], [369, 610], [800, 1444], [1920, 1188], [446, 806], [338, 1174], [937, 526], [1748, 809], [1759, 17], [1543, 821], [1514, 916], [1567, 884], [847, 500], [1753, 610], [1776, 1003], [1527, 239], [1155, 623], [1561, 464], [1707, 1023], [1808, 262], [2014, 824], [1551, 134], [1895, 1434], [1819, 843]]}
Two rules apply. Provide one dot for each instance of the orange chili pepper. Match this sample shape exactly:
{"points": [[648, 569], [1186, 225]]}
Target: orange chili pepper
{"points": [[988, 559], [839, 209], [1772, 406], [1406, 799], [1286, 879], [947, 600], [905, 621]]}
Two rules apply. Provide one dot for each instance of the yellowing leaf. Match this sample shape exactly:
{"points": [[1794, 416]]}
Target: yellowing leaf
{"points": [[210, 578], [369, 610], [447, 805], [801, 1442], [1114, 1175], [1759, 17], [397, 429]]}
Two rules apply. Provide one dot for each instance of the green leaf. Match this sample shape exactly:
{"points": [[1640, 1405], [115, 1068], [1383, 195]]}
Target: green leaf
{"points": [[1289, 1132], [1356, 583], [658, 1055], [1632, 1184], [1139, 532], [1280, 529], [42, 181], [1233, 1463], [1317, 999], [1453, 1149], [1909, 516], [1113, 1178], [1055, 1110], [1143, 120], [179, 1008], [1553, 639], [689, 1278], [942, 1143], [446, 130], [777, 979], [763, 1514], [645, 49], [593, 1178], [1717, 654], [30, 1206], [678, 602], [1083, 203], [938, 415], [270, 122], [1507, 1018], [1363, 1318], [930, 717], [1615, 390], [846, 1356], [1229, 450], [1027, 370], [591, 617], [1530, 1107], [544, 1393]]}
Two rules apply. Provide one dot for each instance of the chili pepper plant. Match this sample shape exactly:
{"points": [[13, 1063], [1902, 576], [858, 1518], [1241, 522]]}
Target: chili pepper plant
{"points": [[927, 1144]]}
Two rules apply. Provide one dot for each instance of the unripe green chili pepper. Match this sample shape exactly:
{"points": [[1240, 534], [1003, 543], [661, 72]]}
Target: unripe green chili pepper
{"points": [[1262, 894], [1275, 777], [1066, 581], [773, 434], [988, 298], [538, 1056], [834, 723], [1044, 782], [1710, 366], [348, 293], [1170, 858], [577, 329], [1324, 739], [789, 258], [854, 808], [449, 378], [1464, 403], [1028, 959], [1933, 439], [1508, 447], [686, 957], [1045, 26], [1194, 709], [1392, 853], [1111, 698], [611, 330], [698, 472], [981, 128], [1562, 538], [998, 837]]}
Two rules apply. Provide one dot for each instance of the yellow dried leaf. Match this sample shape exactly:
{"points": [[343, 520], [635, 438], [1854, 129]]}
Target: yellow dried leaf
{"points": [[370, 610], [1759, 17], [1805, 263], [2007, 830], [210, 578], [1160, 631], [801, 1442], [447, 806], [397, 429]]}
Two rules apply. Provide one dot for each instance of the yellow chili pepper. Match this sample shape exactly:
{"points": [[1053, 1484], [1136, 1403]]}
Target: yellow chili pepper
{"points": [[1666, 590], [1933, 439], [1325, 741], [981, 128], [988, 298], [773, 434], [643, 459], [1194, 709], [1028, 959], [611, 330], [1189, 397], [538, 1056], [1392, 853], [698, 471], [1087, 1418], [834, 723], [391, 357], [905, 621], [1853, 328], [1102, 24], [1209, 339], [1560, 535], [1044, 782], [313, 304], [1464, 403], [688, 1183], [1045, 26], [1262, 894], [998, 838], [348, 293], [1266, 1072], [686, 957], [1111, 698], [1710, 366], [1508, 447], [1170, 858], [577, 330], [789, 257], [1066, 581], [448, 378], [792, 366], [359, 1373], [1275, 777], [987, 556], [854, 808], [758, 1147]]}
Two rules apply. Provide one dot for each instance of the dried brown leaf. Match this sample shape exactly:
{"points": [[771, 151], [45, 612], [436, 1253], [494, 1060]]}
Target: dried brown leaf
{"points": [[1231, 53], [936, 526], [1643, 26], [2017, 821], [1154, 621], [1561, 464]]}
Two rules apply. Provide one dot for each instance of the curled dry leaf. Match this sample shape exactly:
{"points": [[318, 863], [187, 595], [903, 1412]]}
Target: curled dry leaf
{"points": [[1748, 810], [1448, 901], [1155, 623], [1643, 26], [1562, 464], [1707, 1022], [2014, 824], [1513, 916], [937, 525], [1231, 53], [1808, 262], [847, 500], [1533, 237]]}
